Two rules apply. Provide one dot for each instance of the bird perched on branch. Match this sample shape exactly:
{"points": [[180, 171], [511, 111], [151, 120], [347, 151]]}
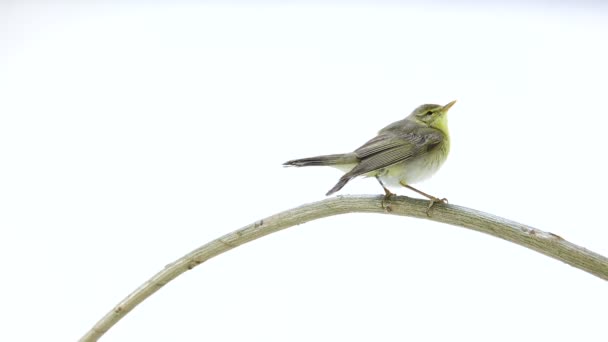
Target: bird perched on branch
{"points": [[403, 153]]}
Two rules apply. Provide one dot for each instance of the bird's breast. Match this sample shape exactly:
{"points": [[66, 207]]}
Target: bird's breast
{"points": [[416, 169]]}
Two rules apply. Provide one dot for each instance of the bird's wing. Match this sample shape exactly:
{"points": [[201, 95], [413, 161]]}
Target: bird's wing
{"points": [[391, 147]]}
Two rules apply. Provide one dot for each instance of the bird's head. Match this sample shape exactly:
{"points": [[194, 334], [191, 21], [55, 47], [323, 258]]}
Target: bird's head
{"points": [[432, 115]]}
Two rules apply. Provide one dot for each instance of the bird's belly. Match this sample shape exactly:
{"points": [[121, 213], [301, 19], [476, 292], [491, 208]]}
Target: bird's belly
{"points": [[412, 171]]}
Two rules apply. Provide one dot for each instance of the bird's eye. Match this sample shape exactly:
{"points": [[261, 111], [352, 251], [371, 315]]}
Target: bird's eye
{"points": [[428, 113]]}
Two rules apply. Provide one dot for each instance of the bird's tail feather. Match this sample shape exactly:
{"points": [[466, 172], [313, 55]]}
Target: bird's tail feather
{"points": [[341, 183], [327, 160]]}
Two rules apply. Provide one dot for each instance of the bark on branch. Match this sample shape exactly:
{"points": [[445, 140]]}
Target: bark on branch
{"points": [[543, 242]]}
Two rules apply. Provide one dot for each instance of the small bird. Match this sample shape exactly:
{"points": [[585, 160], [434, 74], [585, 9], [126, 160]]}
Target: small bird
{"points": [[403, 153]]}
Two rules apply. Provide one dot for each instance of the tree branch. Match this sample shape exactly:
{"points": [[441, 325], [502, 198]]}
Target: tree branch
{"points": [[543, 242]]}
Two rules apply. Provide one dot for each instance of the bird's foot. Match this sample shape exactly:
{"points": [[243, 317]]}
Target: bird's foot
{"points": [[432, 201], [387, 197]]}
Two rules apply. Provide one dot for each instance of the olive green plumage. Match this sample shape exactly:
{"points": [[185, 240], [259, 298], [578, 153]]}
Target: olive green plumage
{"points": [[404, 152]]}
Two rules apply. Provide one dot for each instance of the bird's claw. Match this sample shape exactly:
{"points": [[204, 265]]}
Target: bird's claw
{"points": [[387, 197], [432, 202]]}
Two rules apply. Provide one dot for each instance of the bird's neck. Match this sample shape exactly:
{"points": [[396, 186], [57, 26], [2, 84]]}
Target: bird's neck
{"points": [[442, 125]]}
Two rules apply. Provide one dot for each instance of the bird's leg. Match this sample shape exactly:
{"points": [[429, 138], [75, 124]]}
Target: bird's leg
{"points": [[387, 195], [387, 192], [432, 199]]}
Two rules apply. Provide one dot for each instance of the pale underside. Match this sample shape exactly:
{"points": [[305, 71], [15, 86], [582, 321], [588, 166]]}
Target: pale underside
{"points": [[410, 171]]}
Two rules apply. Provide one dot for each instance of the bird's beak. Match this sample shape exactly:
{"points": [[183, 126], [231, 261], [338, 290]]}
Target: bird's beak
{"points": [[448, 106]]}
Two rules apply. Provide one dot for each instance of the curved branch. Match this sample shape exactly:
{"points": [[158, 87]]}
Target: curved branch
{"points": [[543, 242]]}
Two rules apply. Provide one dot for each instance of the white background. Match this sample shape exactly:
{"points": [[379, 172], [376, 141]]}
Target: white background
{"points": [[130, 135]]}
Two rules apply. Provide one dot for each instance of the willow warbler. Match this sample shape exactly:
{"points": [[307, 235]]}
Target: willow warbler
{"points": [[403, 153]]}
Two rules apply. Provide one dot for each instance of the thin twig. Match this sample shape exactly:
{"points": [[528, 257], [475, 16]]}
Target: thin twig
{"points": [[543, 242]]}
